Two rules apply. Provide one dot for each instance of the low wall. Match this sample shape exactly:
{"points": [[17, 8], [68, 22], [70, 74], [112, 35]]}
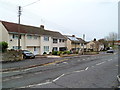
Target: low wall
{"points": [[12, 56]]}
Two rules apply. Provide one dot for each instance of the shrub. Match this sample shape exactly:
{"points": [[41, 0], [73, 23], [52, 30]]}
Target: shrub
{"points": [[59, 52], [50, 53], [54, 52], [3, 46], [44, 53], [64, 52], [76, 52], [68, 52]]}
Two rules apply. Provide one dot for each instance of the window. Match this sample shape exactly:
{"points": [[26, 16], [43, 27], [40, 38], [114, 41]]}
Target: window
{"points": [[55, 40], [60, 40], [46, 48], [35, 37], [15, 36], [29, 36], [82, 44], [46, 38], [16, 47], [55, 49]]}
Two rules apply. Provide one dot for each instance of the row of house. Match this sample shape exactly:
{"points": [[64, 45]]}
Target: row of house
{"points": [[39, 40]]}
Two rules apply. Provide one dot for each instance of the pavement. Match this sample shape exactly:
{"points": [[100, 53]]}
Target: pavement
{"points": [[38, 61]]}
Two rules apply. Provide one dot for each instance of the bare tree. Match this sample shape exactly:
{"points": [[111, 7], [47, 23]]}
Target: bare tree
{"points": [[112, 37]]}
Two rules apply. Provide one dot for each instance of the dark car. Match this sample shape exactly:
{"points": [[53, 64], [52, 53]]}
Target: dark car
{"points": [[27, 54], [110, 51]]}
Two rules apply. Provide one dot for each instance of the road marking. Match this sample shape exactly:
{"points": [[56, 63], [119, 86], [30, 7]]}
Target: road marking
{"points": [[65, 62], [100, 63], [110, 60], [58, 78], [79, 71], [87, 68], [116, 65], [35, 85], [7, 79]]}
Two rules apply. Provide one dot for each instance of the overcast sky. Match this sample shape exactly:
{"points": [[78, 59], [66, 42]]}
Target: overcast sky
{"points": [[94, 18]]}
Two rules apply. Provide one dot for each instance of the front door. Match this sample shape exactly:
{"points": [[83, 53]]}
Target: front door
{"points": [[36, 51]]}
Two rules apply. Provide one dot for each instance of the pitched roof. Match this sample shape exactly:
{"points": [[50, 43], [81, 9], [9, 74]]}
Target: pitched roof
{"points": [[71, 38], [81, 40], [75, 39], [25, 29]]}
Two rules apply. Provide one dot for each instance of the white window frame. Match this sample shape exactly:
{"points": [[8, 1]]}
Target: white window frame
{"points": [[46, 38], [55, 41], [46, 48], [35, 37], [29, 36]]}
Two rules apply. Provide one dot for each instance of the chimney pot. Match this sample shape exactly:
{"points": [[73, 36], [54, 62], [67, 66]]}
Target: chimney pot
{"points": [[73, 35], [42, 26]]}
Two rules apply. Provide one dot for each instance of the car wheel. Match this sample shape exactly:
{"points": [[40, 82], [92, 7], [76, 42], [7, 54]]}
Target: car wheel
{"points": [[24, 57]]}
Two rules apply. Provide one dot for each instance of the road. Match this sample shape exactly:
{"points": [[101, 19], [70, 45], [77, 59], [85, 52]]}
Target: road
{"points": [[96, 71]]}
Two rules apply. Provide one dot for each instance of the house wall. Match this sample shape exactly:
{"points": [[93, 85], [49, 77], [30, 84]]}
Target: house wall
{"points": [[45, 43], [94, 46], [3, 33], [29, 42], [59, 44], [68, 44], [75, 46]]}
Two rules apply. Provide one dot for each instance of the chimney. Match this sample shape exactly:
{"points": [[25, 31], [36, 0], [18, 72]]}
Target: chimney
{"points": [[94, 39], [42, 26], [73, 35]]}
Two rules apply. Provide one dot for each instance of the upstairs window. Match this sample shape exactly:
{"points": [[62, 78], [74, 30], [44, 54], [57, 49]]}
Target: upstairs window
{"points": [[55, 41], [29, 36], [16, 47], [15, 36], [35, 37], [46, 38], [61, 40]]}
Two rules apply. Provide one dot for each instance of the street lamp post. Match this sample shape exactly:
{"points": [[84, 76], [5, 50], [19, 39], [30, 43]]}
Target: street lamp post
{"points": [[83, 43], [19, 14]]}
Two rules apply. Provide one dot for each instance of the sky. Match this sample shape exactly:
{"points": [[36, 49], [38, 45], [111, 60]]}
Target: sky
{"points": [[94, 18]]}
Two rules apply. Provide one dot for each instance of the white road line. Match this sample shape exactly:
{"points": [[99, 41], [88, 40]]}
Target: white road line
{"points": [[100, 63], [87, 68], [110, 60], [12, 78], [65, 62], [58, 77], [11, 71], [79, 71], [34, 85]]}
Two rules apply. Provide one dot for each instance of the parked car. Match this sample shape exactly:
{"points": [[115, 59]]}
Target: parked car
{"points": [[27, 54], [110, 51]]}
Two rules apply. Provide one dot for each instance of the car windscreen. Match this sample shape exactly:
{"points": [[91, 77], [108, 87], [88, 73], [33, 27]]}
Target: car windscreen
{"points": [[27, 52]]}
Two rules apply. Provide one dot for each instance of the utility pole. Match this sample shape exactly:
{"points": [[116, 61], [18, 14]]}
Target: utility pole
{"points": [[19, 14], [83, 43]]}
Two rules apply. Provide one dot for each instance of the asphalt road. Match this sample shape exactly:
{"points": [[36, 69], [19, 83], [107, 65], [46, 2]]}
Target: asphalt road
{"points": [[97, 71]]}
